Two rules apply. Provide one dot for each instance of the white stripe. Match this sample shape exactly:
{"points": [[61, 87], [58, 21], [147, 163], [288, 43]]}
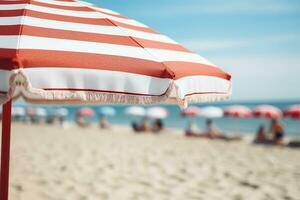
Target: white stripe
{"points": [[201, 84], [168, 55], [61, 3], [12, 6], [108, 30], [29, 42], [83, 14], [158, 55], [105, 10], [96, 80], [4, 80]]}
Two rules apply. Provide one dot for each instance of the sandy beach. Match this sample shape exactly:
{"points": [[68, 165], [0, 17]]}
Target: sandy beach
{"points": [[51, 163]]}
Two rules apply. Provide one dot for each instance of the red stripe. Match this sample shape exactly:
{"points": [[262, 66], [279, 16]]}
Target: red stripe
{"points": [[137, 28], [62, 59], [183, 69], [108, 91], [91, 37], [11, 13], [11, 2], [82, 20], [196, 93], [79, 8]]}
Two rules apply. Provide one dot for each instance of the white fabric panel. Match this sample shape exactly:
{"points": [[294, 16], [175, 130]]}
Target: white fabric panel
{"points": [[97, 80], [30, 42], [88, 28], [169, 55], [201, 84], [61, 3]]}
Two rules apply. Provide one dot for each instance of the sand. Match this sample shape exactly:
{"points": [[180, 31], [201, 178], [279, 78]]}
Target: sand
{"points": [[51, 163]]}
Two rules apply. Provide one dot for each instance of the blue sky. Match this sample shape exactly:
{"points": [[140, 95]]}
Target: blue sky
{"points": [[257, 41]]}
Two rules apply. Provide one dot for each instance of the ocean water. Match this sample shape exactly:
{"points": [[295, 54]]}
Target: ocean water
{"points": [[175, 120]]}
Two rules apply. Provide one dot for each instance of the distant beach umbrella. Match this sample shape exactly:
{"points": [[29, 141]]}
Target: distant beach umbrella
{"points": [[85, 112], [292, 112], [107, 111], [41, 112], [267, 111], [30, 112], [157, 113], [191, 111], [61, 112], [135, 111], [18, 112], [238, 111], [211, 112]]}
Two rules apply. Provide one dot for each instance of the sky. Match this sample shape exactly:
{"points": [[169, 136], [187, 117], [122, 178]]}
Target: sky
{"points": [[256, 41]]}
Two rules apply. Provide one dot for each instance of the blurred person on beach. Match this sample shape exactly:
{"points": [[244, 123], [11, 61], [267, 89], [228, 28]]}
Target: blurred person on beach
{"points": [[143, 126], [192, 130], [213, 132], [157, 126], [277, 131], [104, 123], [81, 122], [261, 136]]}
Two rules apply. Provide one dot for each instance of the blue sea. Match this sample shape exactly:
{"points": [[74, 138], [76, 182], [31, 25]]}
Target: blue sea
{"points": [[174, 119]]}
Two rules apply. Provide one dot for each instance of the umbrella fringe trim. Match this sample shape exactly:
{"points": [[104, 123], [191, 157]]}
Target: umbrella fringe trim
{"points": [[20, 86]]}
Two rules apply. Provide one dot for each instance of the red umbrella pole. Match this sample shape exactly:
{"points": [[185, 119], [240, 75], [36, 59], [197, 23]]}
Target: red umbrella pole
{"points": [[5, 149]]}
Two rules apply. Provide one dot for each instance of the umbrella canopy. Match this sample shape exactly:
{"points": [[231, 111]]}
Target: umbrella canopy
{"points": [[267, 111], [85, 112], [61, 112], [238, 111], [157, 113], [107, 111], [61, 51], [135, 111], [292, 112], [191, 111], [211, 112], [40, 112]]}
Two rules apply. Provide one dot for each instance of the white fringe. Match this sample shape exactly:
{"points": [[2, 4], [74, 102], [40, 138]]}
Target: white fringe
{"points": [[20, 86]]}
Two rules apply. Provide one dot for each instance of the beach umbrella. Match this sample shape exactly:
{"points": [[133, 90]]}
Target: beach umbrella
{"points": [[61, 112], [237, 111], [191, 111], [75, 52], [157, 113], [107, 111], [40, 112], [267, 112], [85, 112], [292, 112], [135, 111], [210, 112]]}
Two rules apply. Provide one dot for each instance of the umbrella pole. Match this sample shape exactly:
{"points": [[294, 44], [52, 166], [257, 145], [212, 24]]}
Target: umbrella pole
{"points": [[5, 150]]}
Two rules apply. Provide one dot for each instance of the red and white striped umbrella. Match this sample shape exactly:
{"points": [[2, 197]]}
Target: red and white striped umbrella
{"points": [[192, 111], [292, 112], [157, 113], [62, 51], [238, 111], [85, 112], [54, 51], [267, 111]]}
